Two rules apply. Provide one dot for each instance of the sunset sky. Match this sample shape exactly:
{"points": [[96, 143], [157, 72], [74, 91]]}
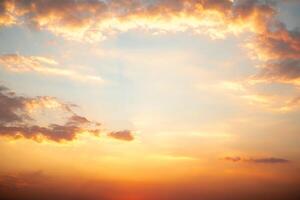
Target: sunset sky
{"points": [[150, 99]]}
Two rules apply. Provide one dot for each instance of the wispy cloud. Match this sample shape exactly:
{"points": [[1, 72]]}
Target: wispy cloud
{"points": [[43, 65], [266, 160], [249, 92]]}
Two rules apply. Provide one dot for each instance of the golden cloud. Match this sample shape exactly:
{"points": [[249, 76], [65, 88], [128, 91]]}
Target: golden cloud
{"points": [[93, 20]]}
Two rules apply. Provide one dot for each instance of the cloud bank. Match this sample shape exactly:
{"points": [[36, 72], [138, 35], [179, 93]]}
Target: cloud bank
{"points": [[277, 47]]}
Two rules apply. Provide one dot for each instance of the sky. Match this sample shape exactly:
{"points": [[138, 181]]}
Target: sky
{"points": [[158, 99]]}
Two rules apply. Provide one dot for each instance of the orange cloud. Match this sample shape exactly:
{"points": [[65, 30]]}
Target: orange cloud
{"points": [[95, 20], [122, 135], [6, 13]]}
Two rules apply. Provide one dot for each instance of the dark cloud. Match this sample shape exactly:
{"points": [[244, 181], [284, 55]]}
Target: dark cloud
{"points": [[270, 160], [122, 135], [281, 51], [233, 159], [54, 132], [14, 115], [284, 70], [10, 105], [279, 43], [16, 120], [76, 119]]}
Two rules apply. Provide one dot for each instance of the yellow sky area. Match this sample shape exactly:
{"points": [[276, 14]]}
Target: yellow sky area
{"points": [[99, 158], [107, 159]]}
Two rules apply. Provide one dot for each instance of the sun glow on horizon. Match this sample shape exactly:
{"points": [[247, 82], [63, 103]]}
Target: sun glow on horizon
{"points": [[140, 100]]}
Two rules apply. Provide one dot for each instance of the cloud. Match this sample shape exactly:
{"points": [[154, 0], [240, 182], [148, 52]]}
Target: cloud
{"points": [[268, 160], [279, 44], [284, 71], [279, 51], [19, 118], [272, 44], [93, 20], [6, 16], [249, 92], [10, 106], [42, 65], [54, 132], [15, 109], [125, 135]]}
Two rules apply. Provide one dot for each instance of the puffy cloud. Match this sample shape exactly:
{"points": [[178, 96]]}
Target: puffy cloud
{"points": [[268, 160], [42, 65], [122, 135], [18, 119]]}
